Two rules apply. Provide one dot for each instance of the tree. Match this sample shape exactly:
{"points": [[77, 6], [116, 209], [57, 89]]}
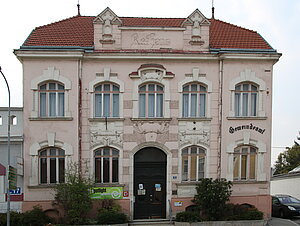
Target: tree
{"points": [[287, 160], [74, 196], [212, 196]]}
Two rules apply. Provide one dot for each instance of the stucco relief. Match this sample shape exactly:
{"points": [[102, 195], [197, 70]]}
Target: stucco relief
{"points": [[100, 136], [194, 133], [151, 74], [151, 129]]}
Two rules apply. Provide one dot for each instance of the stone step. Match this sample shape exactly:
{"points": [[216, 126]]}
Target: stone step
{"points": [[151, 222]]}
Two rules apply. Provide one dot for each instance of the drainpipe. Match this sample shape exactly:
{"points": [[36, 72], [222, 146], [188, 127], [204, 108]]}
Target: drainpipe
{"points": [[220, 107], [80, 116]]}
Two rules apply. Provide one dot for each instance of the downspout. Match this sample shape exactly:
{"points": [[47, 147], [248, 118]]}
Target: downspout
{"points": [[220, 107], [80, 116]]}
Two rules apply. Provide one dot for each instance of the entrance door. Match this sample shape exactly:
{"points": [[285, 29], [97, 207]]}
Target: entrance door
{"points": [[150, 184]]}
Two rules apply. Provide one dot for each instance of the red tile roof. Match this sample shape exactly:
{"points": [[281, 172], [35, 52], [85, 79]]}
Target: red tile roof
{"points": [[78, 31]]}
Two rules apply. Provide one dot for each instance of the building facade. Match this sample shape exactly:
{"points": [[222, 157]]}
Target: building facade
{"points": [[16, 157], [147, 107]]}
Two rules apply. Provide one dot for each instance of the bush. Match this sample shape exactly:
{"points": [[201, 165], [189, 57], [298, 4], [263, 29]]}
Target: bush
{"points": [[212, 196], [240, 212], [188, 217], [111, 216]]}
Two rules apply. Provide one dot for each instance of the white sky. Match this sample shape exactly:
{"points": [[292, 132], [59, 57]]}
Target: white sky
{"points": [[276, 20]]}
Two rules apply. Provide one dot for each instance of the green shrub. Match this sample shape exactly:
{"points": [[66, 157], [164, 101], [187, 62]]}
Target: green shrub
{"points": [[240, 212], [188, 217], [212, 196], [111, 216], [35, 217]]}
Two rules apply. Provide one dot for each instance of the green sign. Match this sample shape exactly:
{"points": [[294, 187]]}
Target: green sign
{"points": [[107, 193], [12, 177]]}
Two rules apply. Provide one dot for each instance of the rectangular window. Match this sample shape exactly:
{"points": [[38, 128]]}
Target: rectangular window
{"points": [[115, 105], [106, 170], [115, 168], [185, 105], [142, 103], [43, 165], [43, 104], [98, 105]]}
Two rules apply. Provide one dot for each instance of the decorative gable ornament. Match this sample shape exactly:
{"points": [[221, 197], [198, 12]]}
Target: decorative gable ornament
{"points": [[151, 72], [107, 18]]}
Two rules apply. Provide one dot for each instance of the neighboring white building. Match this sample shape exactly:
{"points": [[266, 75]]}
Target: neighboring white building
{"points": [[288, 184], [16, 156]]}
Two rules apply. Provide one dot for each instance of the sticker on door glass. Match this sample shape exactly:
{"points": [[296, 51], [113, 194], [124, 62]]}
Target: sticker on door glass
{"points": [[141, 186], [157, 187], [142, 192]]}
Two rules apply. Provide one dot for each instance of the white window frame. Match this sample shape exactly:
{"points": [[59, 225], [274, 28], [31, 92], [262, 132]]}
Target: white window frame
{"points": [[148, 92], [201, 154], [198, 103], [238, 154], [50, 74], [102, 93], [48, 92], [240, 92], [48, 156], [101, 156]]}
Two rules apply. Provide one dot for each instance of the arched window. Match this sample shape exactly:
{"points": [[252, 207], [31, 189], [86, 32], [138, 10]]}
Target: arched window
{"points": [[106, 165], [244, 163], [51, 99], [194, 100], [52, 166], [246, 95], [151, 100], [107, 100], [193, 162]]}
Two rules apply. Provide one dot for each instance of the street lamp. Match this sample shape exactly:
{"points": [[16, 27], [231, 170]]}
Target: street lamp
{"points": [[8, 152]]}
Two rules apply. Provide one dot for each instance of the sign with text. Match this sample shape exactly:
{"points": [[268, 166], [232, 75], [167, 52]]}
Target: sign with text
{"points": [[107, 193]]}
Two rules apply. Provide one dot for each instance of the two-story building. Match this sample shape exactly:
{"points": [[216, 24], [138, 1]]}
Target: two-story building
{"points": [[147, 107]]}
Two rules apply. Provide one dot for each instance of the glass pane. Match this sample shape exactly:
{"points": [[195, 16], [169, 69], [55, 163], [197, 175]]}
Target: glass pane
{"points": [[237, 97], [61, 162], [115, 152], [185, 105], [238, 88], [244, 167], [43, 87], [253, 88], [105, 170], [106, 151], [202, 104], [253, 104], [159, 88], [159, 105], [52, 104], [246, 87], [252, 150], [185, 151], [252, 166], [52, 86], [60, 87], [98, 105], [236, 167], [52, 170], [98, 88], [43, 104], [151, 105], [142, 105], [193, 105], [106, 110], [245, 104], [151, 87], [43, 172], [61, 152], [98, 170], [184, 168], [194, 87], [61, 104], [115, 88], [245, 150], [194, 150], [186, 88], [98, 152], [53, 152], [201, 168], [115, 170], [193, 167], [106, 87], [115, 105], [143, 88], [202, 88]]}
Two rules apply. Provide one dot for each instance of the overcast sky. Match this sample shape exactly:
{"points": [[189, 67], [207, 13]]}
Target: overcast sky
{"points": [[276, 20]]}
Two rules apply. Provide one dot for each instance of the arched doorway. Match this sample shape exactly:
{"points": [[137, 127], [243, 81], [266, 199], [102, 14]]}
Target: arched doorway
{"points": [[150, 183]]}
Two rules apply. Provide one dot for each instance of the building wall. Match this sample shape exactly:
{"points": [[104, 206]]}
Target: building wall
{"points": [[286, 184]]}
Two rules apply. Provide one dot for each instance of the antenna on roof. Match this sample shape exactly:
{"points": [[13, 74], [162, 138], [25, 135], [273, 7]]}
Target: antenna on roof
{"points": [[213, 10], [78, 9]]}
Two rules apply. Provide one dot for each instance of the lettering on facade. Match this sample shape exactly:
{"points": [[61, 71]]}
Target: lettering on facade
{"points": [[149, 40], [247, 127]]}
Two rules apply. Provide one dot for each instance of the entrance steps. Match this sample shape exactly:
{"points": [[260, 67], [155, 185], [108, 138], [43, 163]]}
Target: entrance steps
{"points": [[151, 222]]}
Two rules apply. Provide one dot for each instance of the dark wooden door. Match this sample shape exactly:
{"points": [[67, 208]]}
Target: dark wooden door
{"points": [[150, 185]]}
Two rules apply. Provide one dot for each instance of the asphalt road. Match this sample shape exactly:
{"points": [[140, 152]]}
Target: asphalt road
{"points": [[284, 222]]}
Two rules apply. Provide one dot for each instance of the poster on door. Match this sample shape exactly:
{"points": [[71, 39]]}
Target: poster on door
{"points": [[107, 193]]}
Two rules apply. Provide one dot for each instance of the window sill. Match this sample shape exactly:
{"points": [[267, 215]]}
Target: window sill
{"points": [[195, 119], [51, 119], [42, 186], [247, 118], [109, 185], [105, 119], [151, 119], [248, 182], [184, 183]]}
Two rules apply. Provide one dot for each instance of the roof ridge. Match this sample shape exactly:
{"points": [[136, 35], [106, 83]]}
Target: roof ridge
{"points": [[152, 17]]}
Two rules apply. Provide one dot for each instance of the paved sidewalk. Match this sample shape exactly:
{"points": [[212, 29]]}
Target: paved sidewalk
{"points": [[281, 222]]}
